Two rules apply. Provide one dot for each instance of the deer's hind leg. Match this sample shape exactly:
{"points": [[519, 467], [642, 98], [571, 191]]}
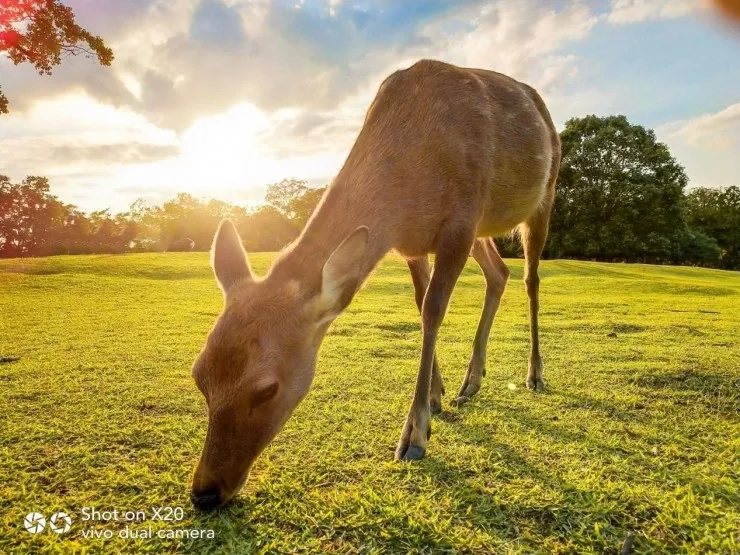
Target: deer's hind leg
{"points": [[420, 273], [496, 274], [534, 235]]}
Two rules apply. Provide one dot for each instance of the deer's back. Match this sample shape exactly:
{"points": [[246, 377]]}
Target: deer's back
{"points": [[445, 142]]}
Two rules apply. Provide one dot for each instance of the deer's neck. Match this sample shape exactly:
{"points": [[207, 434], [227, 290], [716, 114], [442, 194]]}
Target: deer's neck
{"points": [[344, 208]]}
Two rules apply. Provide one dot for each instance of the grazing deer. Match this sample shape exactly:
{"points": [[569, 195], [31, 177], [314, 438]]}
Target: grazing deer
{"points": [[447, 158]]}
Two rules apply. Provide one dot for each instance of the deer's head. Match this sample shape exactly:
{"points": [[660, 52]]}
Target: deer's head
{"points": [[259, 359]]}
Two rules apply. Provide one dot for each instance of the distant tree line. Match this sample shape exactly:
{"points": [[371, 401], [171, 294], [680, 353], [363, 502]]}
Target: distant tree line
{"points": [[34, 222], [620, 197]]}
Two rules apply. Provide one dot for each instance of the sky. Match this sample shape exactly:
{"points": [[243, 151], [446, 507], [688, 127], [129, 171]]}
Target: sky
{"points": [[219, 98]]}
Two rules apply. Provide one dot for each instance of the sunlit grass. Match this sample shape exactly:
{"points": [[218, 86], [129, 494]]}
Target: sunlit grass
{"points": [[638, 430]]}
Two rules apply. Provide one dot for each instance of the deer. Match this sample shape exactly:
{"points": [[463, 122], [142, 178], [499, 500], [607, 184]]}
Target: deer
{"points": [[447, 159]]}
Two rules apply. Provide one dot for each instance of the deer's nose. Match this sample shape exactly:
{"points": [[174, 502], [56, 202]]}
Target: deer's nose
{"points": [[206, 500]]}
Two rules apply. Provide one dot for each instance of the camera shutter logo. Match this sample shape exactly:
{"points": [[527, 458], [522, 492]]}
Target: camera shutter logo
{"points": [[60, 522], [34, 523]]}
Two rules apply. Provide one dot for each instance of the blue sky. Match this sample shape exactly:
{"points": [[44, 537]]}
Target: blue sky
{"points": [[666, 69], [222, 97]]}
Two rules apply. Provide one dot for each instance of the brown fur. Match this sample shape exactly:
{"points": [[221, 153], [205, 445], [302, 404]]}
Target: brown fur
{"points": [[446, 155]]}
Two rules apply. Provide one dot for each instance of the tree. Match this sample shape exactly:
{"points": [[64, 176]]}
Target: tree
{"points": [[267, 229], [294, 199], [8, 198], [716, 213], [40, 32], [619, 194], [282, 196], [31, 217], [78, 232], [303, 206], [188, 217], [699, 248]]}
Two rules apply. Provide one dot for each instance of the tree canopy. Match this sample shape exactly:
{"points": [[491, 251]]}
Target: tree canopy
{"points": [[716, 213], [42, 32], [294, 199]]}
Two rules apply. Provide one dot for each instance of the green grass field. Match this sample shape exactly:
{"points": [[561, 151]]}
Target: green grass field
{"points": [[638, 430]]}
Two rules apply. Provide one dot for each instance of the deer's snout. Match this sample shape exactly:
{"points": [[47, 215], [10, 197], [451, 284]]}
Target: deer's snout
{"points": [[206, 499]]}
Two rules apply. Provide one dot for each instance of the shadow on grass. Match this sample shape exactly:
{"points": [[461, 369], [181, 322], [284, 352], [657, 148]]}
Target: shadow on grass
{"points": [[570, 400], [242, 526], [716, 392], [556, 507], [474, 500], [399, 328]]}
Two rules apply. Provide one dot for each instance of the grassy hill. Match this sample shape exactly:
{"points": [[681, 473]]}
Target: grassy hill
{"points": [[638, 430]]}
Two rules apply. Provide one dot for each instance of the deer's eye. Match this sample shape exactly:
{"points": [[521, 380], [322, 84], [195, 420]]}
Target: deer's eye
{"points": [[263, 393]]}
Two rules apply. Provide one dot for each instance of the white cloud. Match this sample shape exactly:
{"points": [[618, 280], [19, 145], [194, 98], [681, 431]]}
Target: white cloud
{"points": [[177, 61], [633, 11], [707, 146], [333, 5], [719, 130], [516, 38], [75, 129]]}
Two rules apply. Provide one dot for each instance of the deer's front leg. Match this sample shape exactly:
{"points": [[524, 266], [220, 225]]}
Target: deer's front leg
{"points": [[421, 275], [451, 255]]}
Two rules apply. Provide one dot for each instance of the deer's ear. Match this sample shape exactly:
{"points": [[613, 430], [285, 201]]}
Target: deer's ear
{"points": [[342, 274], [228, 258]]}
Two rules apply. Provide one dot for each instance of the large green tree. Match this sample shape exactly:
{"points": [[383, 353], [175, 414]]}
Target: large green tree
{"points": [[42, 32], [619, 194]]}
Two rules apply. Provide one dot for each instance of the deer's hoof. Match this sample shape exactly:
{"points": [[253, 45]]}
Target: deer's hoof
{"points": [[468, 389], [535, 384], [413, 453], [435, 407], [412, 442], [460, 401]]}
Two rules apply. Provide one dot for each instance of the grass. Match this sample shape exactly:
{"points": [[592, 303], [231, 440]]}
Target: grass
{"points": [[638, 430]]}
